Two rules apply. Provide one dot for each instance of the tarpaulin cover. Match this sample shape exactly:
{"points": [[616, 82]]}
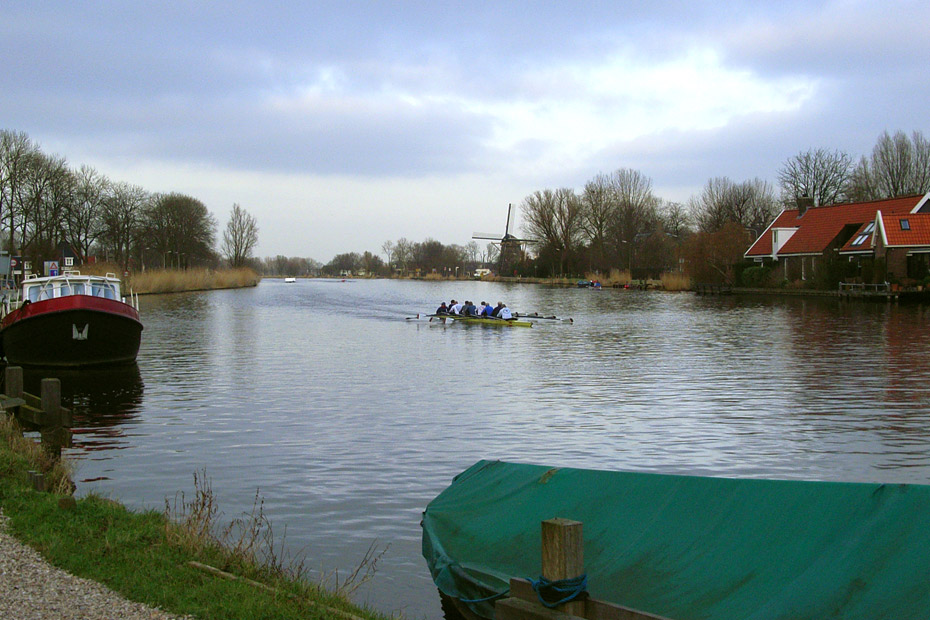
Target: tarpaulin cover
{"points": [[690, 547]]}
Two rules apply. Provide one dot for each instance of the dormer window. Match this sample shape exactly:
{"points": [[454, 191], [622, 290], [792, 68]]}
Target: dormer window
{"points": [[905, 225], [860, 239], [869, 228]]}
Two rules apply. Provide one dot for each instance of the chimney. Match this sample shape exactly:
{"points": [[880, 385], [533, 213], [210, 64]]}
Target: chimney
{"points": [[805, 202]]}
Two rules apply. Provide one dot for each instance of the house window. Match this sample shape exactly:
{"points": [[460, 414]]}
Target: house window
{"points": [[869, 228], [905, 225], [69, 261], [860, 239]]}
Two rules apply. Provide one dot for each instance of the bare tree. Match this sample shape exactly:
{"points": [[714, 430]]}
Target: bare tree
{"points": [[892, 165], [554, 217], [899, 166], [122, 219], [636, 211], [750, 204], [817, 173], [240, 237], [83, 216], [15, 150], [403, 252], [599, 212], [388, 248]]}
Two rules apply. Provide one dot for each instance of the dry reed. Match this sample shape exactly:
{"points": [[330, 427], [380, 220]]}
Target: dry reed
{"points": [[173, 281], [675, 282], [248, 542]]}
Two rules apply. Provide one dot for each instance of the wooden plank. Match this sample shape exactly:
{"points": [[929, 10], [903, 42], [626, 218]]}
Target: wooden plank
{"points": [[594, 609], [517, 609], [10, 403], [30, 415]]}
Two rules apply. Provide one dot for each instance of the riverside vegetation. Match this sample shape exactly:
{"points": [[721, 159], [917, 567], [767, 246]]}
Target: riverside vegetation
{"points": [[178, 280], [180, 560]]}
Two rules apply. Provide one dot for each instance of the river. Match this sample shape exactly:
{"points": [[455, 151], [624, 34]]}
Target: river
{"points": [[348, 419]]}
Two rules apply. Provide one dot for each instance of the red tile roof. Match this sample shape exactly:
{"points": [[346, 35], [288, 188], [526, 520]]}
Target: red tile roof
{"points": [[819, 226], [917, 232]]}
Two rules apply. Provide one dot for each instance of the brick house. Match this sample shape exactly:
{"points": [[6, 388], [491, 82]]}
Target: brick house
{"points": [[867, 235]]}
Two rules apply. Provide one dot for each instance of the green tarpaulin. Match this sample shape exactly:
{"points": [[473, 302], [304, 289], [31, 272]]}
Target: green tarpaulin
{"points": [[690, 547]]}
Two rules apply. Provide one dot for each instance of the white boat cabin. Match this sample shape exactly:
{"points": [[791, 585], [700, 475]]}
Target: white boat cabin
{"points": [[71, 283]]}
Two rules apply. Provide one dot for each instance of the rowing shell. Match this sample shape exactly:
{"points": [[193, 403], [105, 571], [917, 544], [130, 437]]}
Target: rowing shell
{"points": [[482, 320]]}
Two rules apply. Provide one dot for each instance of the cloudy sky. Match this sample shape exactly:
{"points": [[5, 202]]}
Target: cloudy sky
{"points": [[340, 125]]}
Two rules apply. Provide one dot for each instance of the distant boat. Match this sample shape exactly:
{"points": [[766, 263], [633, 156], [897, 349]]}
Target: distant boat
{"points": [[70, 321], [290, 280]]}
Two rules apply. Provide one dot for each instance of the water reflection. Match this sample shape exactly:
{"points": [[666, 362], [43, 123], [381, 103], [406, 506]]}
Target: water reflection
{"points": [[349, 419], [103, 401]]}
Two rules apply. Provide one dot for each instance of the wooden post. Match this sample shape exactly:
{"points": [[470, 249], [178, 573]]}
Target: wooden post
{"points": [[13, 381], [563, 556], [54, 436]]}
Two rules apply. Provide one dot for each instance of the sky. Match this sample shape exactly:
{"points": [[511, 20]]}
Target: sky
{"points": [[342, 125]]}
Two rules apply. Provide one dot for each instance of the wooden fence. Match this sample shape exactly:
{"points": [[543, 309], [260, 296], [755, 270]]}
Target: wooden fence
{"points": [[38, 413]]}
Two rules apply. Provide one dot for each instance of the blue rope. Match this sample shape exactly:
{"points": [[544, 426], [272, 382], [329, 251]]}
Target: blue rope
{"points": [[571, 588], [487, 598]]}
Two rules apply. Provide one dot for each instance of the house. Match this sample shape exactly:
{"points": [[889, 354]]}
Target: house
{"points": [[805, 239]]}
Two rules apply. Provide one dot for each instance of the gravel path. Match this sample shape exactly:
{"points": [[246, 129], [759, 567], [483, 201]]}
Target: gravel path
{"points": [[33, 589]]}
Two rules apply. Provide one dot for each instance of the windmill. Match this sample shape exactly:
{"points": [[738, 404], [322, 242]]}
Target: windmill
{"points": [[511, 248]]}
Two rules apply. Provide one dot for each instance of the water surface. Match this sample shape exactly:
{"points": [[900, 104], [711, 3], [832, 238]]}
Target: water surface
{"points": [[348, 419]]}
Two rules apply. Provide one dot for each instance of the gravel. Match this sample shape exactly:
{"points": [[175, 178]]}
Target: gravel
{"points": [[33, 589]]}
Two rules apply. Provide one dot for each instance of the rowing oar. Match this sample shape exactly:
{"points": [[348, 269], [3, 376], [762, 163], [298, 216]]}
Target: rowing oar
{"points": [[542, 318], [423, 316]]}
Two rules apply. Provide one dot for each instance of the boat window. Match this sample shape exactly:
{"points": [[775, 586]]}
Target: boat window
{"points": [[33, 293], [45, 293], [66, 289], [79, 288], [97, 288], [109, 292]]}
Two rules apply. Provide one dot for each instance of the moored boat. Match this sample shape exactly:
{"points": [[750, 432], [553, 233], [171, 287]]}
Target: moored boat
{"points": [[689, 547], [70, 320]]}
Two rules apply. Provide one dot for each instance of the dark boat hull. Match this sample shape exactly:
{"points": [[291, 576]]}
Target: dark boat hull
{"points": [[72, 337]]}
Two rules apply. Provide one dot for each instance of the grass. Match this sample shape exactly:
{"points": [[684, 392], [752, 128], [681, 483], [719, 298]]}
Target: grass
{"points": [[146, 556]]}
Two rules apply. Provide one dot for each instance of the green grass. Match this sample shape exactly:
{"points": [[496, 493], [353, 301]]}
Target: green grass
{"points": [[144, 555]]}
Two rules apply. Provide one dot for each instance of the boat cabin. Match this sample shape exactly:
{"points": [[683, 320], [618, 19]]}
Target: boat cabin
{"points": [[71, 283]]}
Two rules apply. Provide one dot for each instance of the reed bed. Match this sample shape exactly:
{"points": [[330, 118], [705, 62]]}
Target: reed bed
{"points": [[174, 281], [675, 282], [177, 280]]}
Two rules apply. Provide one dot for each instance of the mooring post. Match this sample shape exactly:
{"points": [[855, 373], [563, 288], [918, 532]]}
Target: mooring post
{"points": [[55, 430], [13, 381], [563, 556]]}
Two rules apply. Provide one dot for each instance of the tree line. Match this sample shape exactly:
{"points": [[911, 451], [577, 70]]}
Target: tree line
{"points": [[616, 221], [45, 202]]}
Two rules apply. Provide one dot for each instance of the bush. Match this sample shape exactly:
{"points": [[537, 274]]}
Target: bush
{"points": [[754, 277]]}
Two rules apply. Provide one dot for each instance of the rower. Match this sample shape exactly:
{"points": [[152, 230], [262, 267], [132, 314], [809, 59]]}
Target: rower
{"points": [[442, 309], [455, 308], [505, 313], [497, 309], [470, 309]]}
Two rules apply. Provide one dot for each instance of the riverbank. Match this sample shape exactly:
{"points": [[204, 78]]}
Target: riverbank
{"points": [[152, 564], [154, 281]]}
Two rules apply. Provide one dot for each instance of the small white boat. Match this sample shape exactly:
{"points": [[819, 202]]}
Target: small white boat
{"points": [[290, 280]]}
